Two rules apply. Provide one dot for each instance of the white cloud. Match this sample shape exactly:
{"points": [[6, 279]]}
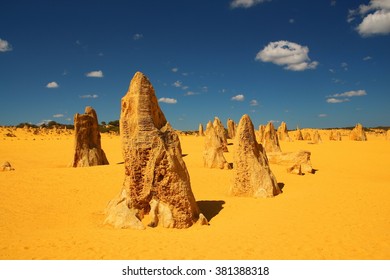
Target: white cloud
{"points": [[322, 115], [292, 55], [95, 74], [376, 18], [177, 84], [89, 96], [137, 36], [291, 20], [174, 70], [246, 3], [167, 100], [333, 3], [377, 23], [52, 85], [336, 100], [239, 97], [351, 93], [5, 46], [253, 102], [367, 58], [58, 116], [189, 93]]}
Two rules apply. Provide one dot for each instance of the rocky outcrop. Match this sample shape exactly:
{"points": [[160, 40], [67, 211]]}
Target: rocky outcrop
{"points": [[156, 178], [335, 135], [358, 134], [213, 153], [283, 132], [88, 150], [6, 166], [270, 140], [231, 128], [307, 136], [260, 134], [252, 176], [316, 139], [298, 135], [200, 131], [296, 162], [221, 133]]}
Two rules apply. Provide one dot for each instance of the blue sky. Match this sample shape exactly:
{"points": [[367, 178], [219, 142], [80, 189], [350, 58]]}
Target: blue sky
{"points": [[308, 63]]}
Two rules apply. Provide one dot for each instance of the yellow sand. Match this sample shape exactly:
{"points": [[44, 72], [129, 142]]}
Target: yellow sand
{"points": [[51, 211]]}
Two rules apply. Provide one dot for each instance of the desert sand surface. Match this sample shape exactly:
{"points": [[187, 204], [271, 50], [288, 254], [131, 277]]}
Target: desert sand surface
{"points": [[49, 210]]}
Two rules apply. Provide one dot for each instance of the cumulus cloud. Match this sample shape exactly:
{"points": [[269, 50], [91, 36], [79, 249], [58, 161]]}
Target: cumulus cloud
{"points": [[167, 100], [58, 116], [95, 74], [253, 102], [322, 115], [137, 36], [239, 97], [376, 18], [367, 58], [246, 3], [175, 69], [89, 96], [5, 46], [52, 85], [292, 55]]}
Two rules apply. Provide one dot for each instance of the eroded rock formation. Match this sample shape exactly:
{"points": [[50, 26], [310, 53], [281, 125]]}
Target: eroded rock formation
{"points": [[88, 150], [252, 175], [200, 131], [358, 134], [316, 138], [260, 134], [221, 133], [231, 128], [156, 178], [283, 132], [213, 153], [6, 166], [335, 135], [270, 140], [296, 162], [298, 135]]}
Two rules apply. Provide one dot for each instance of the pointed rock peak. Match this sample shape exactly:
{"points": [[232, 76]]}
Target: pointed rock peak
{"points": [[156, 177], [245, 130], [252, 175], [88, 150], [141, 104]]}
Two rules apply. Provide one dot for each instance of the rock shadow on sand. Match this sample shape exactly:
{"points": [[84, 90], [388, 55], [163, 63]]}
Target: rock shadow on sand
{"points": [[210, 208]]}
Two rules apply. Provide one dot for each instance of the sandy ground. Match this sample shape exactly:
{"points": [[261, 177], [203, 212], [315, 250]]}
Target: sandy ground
{"points": [[51, 211]]}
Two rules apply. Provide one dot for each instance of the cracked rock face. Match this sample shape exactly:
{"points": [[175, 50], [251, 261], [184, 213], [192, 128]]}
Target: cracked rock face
{"points": [[156, 178], [88, 150], [252, 175]]}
